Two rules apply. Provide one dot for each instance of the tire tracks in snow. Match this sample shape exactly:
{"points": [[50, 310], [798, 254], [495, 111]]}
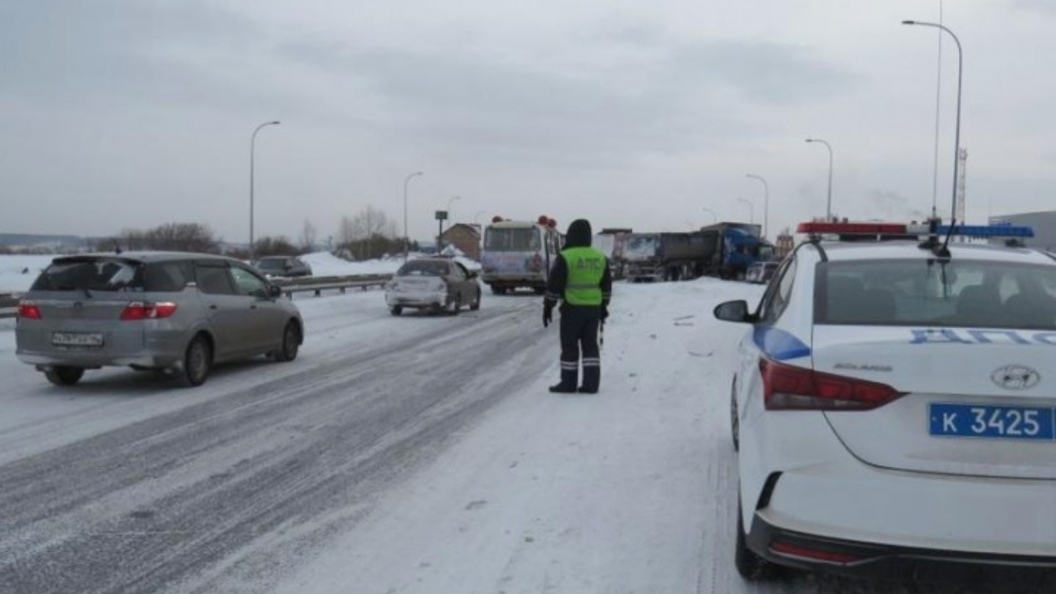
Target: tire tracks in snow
{"points": [[219, 487]]}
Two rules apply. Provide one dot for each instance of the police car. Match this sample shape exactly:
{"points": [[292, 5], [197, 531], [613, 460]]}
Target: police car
{"points": [[894, 405]]}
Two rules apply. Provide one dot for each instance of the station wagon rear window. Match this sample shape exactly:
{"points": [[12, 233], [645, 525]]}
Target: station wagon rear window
{"points": [[962, 293], [91, 274]]}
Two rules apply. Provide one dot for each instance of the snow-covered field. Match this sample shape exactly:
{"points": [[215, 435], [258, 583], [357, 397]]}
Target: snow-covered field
{"points": [[17, 273], [406, 455]]}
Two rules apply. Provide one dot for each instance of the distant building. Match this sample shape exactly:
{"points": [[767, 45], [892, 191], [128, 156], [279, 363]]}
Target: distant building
{"points": [[1043, 223], [784, 245], [465, 237]]}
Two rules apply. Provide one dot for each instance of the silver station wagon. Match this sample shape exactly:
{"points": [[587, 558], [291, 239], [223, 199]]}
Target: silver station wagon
{"points": [[174, 312]]}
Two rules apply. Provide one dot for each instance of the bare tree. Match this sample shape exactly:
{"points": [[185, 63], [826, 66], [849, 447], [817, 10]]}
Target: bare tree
{"points": [[274, 246], [309, 235], [183, 237], [370, 222]]}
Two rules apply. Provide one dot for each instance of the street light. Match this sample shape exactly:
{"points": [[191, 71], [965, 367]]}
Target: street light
{"points": [[751, 210], [828, 203], [957, 134], [406, 235], [252, 159], [766, 202], [714, 217]]}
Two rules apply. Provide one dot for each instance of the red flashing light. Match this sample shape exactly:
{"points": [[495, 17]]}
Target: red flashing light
{"points": [[138, 310], [29, 311], [852, 228], [794, 388], [552, 224], [543, 220], [496, 219]]}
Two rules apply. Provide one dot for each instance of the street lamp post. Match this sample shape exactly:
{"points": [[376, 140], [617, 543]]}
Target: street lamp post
{"points": [[714, 217], [957, 133], [828, 202], [751, 210], [406, 234], [252, 159], [766, 202]]}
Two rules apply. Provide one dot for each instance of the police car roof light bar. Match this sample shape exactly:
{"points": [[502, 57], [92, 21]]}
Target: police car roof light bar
{"points": [[979, 231], [850, 228]]}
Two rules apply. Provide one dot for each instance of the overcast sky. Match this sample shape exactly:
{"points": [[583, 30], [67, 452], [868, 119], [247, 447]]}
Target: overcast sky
{"points": [[133, 113]]}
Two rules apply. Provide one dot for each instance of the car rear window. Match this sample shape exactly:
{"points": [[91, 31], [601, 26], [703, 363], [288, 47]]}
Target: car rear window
{"points": [[91, 274], [968, 293], [423, 269], [271, 263]]}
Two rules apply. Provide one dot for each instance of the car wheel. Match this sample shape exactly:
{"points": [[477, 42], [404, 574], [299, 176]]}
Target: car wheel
{"points": [[395, 310], [735, 421], [291, 343], [476, 302], [197, 362], [454, 305], [751, 566], [64, 375]]}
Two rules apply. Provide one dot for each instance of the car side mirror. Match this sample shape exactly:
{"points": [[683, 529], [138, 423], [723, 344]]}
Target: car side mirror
{"points": [[733, 311], [274, 291]]}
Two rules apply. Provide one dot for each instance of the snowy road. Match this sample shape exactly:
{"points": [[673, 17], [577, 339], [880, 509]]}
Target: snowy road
{"points": [[397, 455]]}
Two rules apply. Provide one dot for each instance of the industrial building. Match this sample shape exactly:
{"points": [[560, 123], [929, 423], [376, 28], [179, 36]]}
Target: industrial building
{"points": [[1043, 223]]}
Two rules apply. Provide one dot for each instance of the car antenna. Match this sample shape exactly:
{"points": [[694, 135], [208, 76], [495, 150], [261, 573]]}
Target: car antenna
{"points": [[117, 247], [944, 251]]}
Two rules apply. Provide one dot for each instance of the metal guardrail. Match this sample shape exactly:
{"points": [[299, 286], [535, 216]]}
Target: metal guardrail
{"points": [[290, 286], [318, 284]]}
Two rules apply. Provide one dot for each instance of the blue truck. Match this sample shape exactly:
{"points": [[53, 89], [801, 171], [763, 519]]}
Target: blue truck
{"points": [[736, 247]]}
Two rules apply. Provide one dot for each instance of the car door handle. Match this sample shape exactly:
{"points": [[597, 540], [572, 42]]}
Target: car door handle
{"points": [[254, 306], [213, 306]]}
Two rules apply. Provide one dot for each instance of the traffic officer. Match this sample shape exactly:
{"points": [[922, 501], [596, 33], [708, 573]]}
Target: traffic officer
{"points": [[581, 280]]}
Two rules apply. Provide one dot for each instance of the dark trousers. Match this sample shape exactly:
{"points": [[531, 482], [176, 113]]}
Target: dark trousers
{"points": [[579, 334]]}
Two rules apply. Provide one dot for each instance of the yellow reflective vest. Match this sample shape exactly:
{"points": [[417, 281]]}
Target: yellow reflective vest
{"points": [[586, 267]]}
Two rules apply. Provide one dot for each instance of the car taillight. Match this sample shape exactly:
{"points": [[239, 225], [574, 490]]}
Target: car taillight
{"points": [[29, 311], [139, 310], [794, 388]]}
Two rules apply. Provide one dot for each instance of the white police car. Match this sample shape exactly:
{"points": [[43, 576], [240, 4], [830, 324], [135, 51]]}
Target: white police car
{"points": [[894, 406]]}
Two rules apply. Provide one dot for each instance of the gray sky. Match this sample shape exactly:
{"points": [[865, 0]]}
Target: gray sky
{"points": [[132, 113]]}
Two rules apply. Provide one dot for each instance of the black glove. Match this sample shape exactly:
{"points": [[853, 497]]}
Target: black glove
{"points": [[548, 313], [604, 312]]}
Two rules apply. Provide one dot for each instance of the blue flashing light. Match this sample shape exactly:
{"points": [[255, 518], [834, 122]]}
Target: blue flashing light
{"points": [[987, 230]]}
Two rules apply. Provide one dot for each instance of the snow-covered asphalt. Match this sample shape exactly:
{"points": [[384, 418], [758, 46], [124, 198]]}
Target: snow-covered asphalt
{"points": [[404, 455]]}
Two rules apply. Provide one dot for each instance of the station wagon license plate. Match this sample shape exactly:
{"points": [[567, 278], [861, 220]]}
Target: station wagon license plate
{"points": [[1003, 422], [77, 339]]}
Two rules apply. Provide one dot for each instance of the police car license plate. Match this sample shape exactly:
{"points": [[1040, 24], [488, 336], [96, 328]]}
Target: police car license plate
{"points": [[1005, 422]]}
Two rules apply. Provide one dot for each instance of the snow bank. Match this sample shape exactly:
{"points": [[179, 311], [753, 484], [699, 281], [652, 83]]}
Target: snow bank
{"points": [[17, 273]]}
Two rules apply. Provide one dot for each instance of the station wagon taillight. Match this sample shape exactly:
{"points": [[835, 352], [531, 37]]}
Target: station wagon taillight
{"points": [[139, 310], [29, 311], [794, 388]]}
